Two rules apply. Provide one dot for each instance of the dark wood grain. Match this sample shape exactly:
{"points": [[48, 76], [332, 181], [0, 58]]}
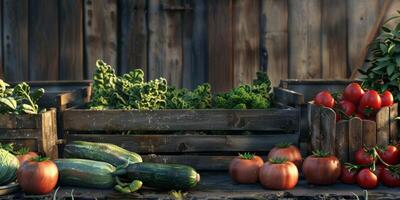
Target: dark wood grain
{"points": [[383, 126], [333, 36], [15, 40], [133, 36], [246, 41], [220, 46], [315, 125], [355, 136], [328, 130], [208, 119], [288, 97], [171, 143], [369, 133], [100, 34], [71, 39], [43, 40], [156, 35], [393, 122], [342, 140]]}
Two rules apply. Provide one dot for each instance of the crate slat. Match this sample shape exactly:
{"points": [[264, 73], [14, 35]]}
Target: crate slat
{"points": [[383, 126], [315, 124], [189, 143], [328, 130], [170, 120], [342, 140], [369, 133], [393, 122], [355, 136], [19, 121]]}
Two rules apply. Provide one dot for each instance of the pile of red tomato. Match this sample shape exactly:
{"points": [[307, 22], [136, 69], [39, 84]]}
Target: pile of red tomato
{"points": [[355, 102], [373, 165], [281, 171]]}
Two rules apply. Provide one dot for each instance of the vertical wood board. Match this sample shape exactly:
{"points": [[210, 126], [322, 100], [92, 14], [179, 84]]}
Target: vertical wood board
{"points": [[328, 130], [383, 126], [355, 136], [342, 140], [369, 133], [393, 123]]}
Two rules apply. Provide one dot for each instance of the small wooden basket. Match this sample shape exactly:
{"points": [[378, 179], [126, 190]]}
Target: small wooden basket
{"points": [[343, 138]]}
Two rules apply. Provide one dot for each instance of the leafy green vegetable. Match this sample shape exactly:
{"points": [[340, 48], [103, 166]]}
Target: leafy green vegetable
{"points": [[20, 99], [129, 91], [200, 98], [253, 96], [383, 70]]}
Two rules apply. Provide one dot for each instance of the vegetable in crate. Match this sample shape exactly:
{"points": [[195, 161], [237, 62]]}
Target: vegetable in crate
{"points": [[105, 152], [20, 99], [128, 91], [383, 72], [8, 167], [38, 176], [279, 174], [200, 98], [254, 96], [245, 167], [162, 176], [85, 173]]}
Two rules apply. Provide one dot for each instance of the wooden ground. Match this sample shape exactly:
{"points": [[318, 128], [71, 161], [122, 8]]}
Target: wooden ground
{"points": [[219, 186]]}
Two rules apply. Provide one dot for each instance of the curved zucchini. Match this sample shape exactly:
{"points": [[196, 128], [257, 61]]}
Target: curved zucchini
{"points": [[105, 152], [85, 173], [162, 176]]}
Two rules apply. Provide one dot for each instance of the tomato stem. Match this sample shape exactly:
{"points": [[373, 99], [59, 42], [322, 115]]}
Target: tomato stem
{"points": [[247, 156], [320, 153], [283, 145], [40, 159], [278, 160]]}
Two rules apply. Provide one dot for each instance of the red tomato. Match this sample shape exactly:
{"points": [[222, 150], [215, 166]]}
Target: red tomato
{"points": [[353, 93], [370, 103], [244, 169], [348, 107], [38, 177], [324, 98], [26, 157], [390, 155], [387, 98], [378, 171], [363, 157], [288, 151], [390, 179], [367, 179], [348, 176], [321, 170], [279, 175]]}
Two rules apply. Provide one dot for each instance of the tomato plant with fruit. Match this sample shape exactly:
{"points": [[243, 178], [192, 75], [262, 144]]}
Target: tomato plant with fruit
{"points": [[245, 167]]}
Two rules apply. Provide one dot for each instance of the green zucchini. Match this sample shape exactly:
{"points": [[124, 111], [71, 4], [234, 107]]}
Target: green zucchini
{"points": [[162, 176], [9, 165], [105, 152], [85, 173]]}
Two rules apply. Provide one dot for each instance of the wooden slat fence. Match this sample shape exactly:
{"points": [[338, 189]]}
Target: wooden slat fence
{"points": [[189, 42]]}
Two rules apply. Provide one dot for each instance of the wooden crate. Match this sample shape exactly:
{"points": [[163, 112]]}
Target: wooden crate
{"points": [[37, 132], [181, 143], [343, 138]]}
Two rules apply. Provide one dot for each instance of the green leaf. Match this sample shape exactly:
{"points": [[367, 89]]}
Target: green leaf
{"points": [[9, 102], [37, 94], [386, 29], [391, 48], [398, 61], [26, 108], [390, 69], [383, 47]]}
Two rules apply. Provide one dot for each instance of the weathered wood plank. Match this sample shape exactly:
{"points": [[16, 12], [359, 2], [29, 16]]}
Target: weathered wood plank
{"points": [[334, 41], [383, 126], [207, 119], [342, 140], [19, 121], [361, 16], [274, 39], [156, 36], [246, 41], [328, 130], [288, 97], [369, 133], [355, 136], [195, 44], [146, 144], [43, 40], [133, 36], [15, 40], [71, 39], [305, 39], [100, 34], [393, 123], [220, 54], [315, 125]]}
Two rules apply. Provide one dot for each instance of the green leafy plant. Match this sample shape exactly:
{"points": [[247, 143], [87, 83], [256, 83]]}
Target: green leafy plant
{"points": [[253, 96], [20, 99], [383, 71], [200, 98]]}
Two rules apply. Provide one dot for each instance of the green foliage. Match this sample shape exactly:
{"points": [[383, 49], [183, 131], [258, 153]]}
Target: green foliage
{"points": [[383, 70], [129, 91], [200, 98], [20, 99], [8, 167], [252, 96]]}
